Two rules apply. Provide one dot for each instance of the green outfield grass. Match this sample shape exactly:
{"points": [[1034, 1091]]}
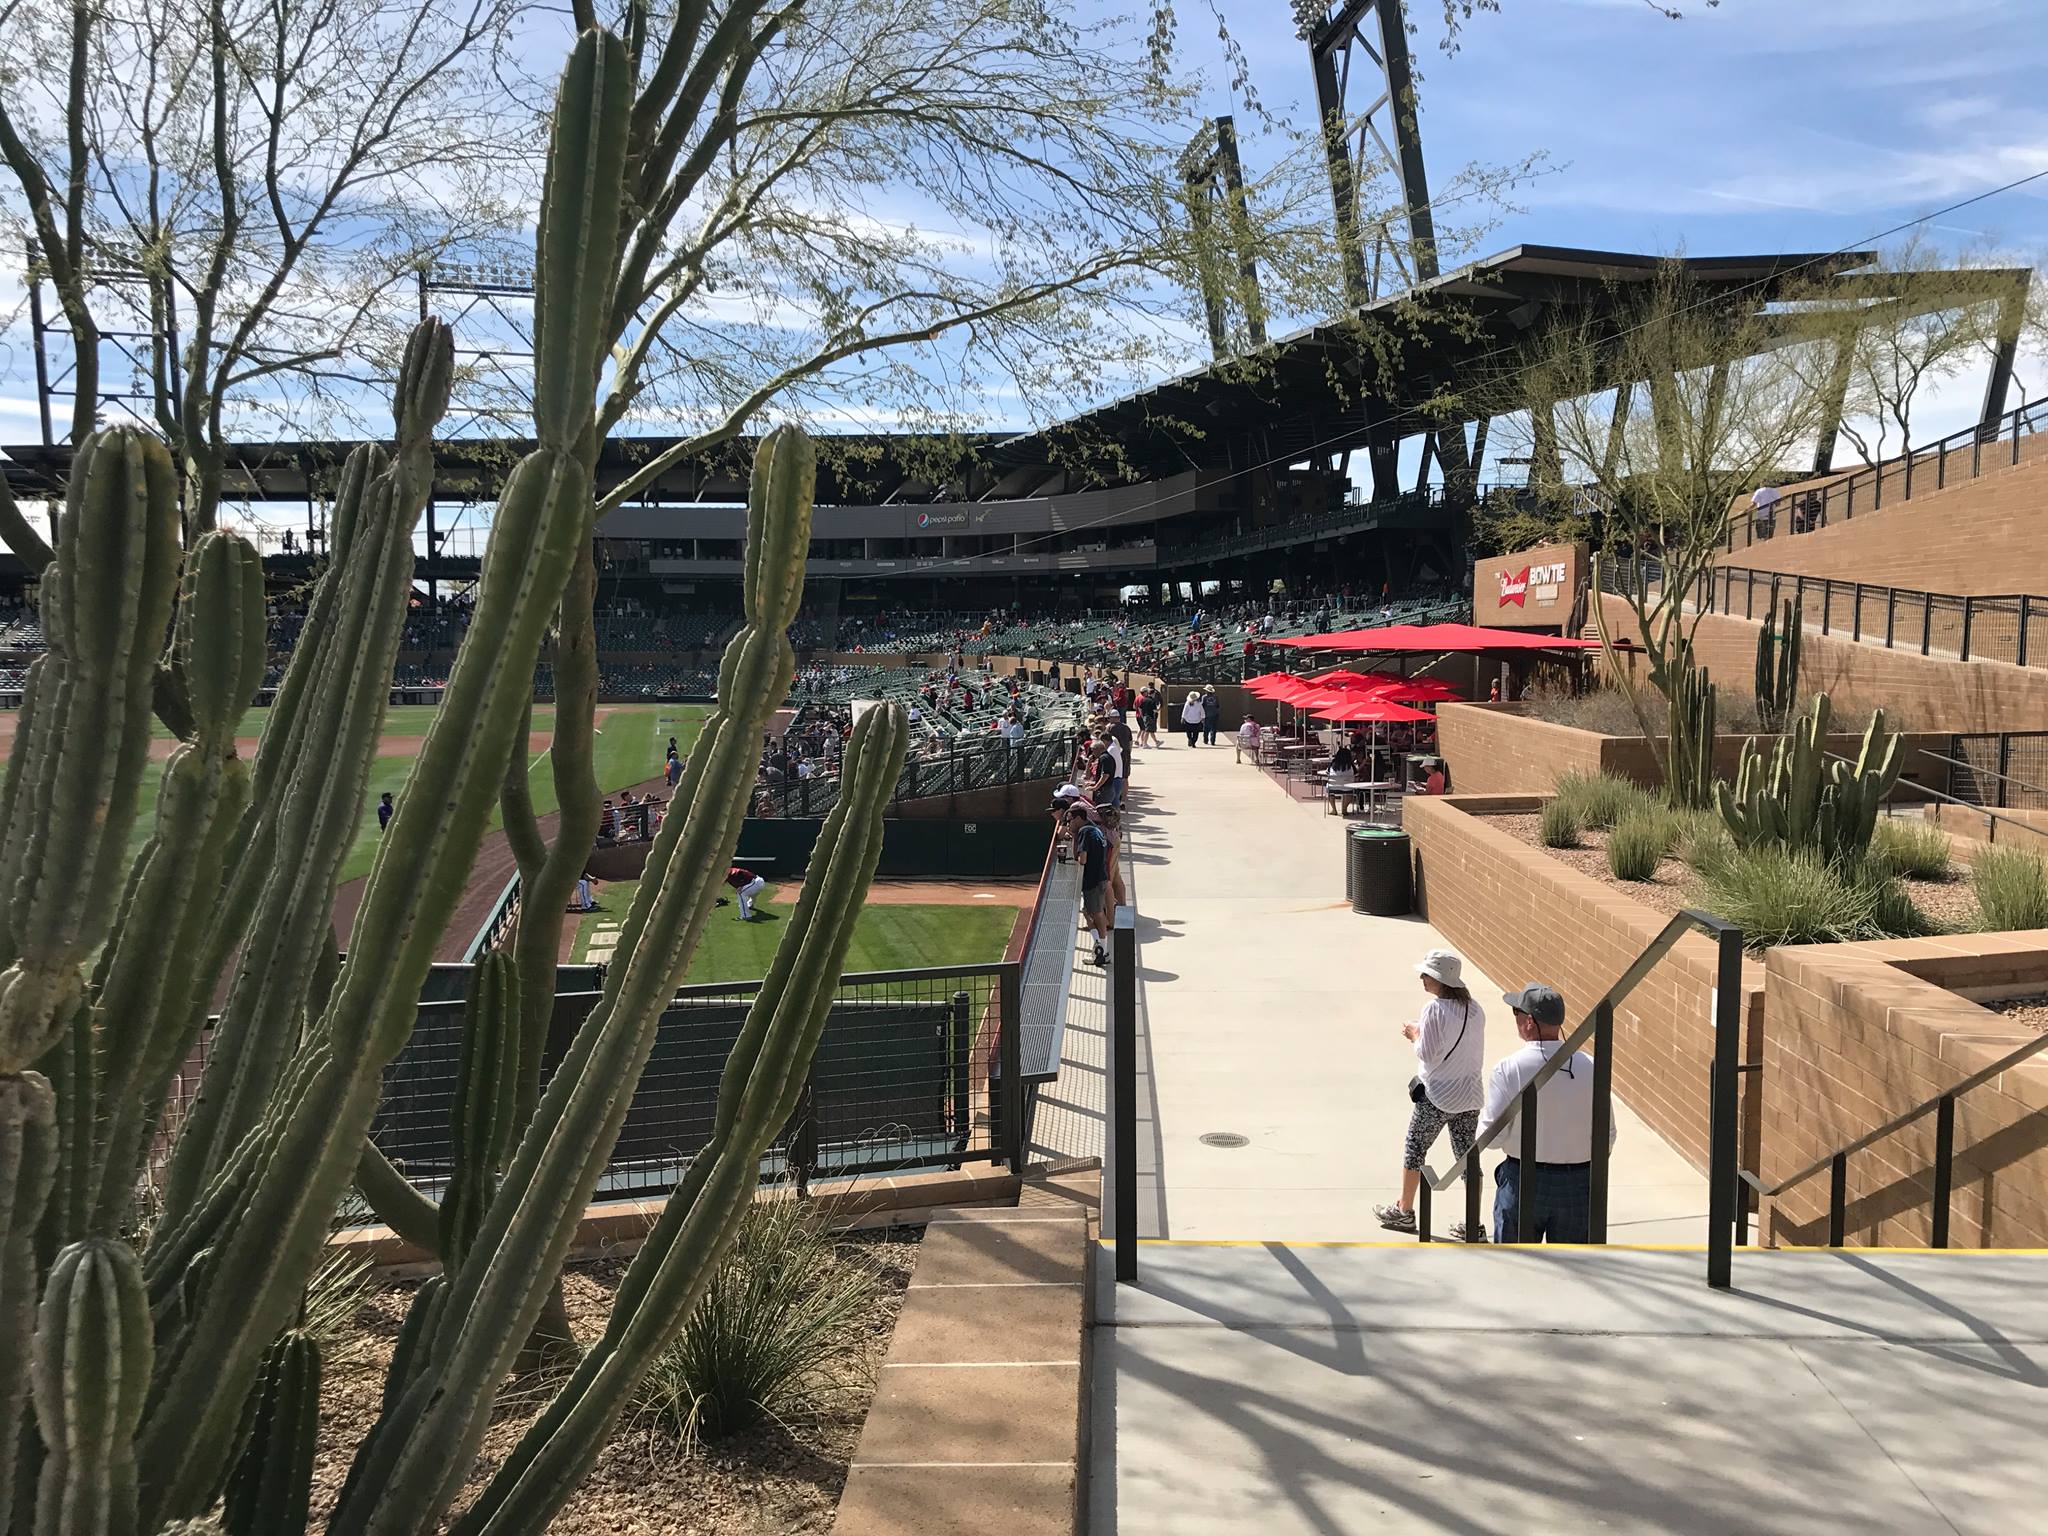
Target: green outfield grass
{"points": [[630, 746], [885, 938]]}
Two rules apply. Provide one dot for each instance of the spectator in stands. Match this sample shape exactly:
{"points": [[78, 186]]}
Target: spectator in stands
{"points": [[1558, 1186], [1450, 1045], [384, 809], [1212, 715], [746, 885], [1191, 717]]}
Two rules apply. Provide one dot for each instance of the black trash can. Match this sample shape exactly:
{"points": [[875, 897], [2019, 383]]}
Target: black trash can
{"points": [[1377, 876]]}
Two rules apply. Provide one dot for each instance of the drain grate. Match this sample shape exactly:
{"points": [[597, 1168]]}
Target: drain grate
{"points": [[1225, 1139]]}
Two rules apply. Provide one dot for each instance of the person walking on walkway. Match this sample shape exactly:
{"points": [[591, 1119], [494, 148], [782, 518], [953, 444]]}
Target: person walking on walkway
{"points": [[1557, 1187], [1450, 1046], [1212, 716], [1191, 717]]}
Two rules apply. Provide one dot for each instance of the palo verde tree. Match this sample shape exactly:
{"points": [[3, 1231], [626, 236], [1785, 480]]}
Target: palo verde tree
{"points": [[1660, 406], [254, 188]]}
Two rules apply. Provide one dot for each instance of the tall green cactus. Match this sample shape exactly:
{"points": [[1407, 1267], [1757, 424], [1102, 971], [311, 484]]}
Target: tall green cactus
{"points": [[1777, 667], [1800, 798], [1689, 779], [156, 1382]]}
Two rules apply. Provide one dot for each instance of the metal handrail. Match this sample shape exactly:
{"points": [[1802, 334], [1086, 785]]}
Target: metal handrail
{"points": [[1598, 1026], [2025, 419], [1943, 1106], [1714, 592]]}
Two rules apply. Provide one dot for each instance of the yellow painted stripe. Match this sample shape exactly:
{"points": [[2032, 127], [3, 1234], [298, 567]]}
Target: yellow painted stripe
{"points": [[1573, 1248]]}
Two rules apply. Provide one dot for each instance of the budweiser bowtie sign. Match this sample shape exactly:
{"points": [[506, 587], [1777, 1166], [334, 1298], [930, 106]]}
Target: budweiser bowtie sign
{"points": [[1533, 588]]}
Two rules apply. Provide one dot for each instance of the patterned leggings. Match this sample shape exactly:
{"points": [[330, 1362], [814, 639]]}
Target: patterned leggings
{"points": [[1424, 1125]]}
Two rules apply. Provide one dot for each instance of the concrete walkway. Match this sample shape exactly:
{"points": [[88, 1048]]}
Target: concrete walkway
{"points": [[1311, 1391], [1269, 1010]]}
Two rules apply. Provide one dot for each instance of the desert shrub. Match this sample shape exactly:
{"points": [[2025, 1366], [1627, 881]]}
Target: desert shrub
{"points": [[1559, 825], [1606, 710], [1599, 800], [1915, 848], [780, 1330], [1892, 908], [1779, 897], [2012, 889], [1639, 842], [1702, 840]]}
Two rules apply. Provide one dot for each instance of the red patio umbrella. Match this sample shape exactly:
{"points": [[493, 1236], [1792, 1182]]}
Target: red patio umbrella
{"points": [[1346, 679], [1419, 690], [1357, 708]]}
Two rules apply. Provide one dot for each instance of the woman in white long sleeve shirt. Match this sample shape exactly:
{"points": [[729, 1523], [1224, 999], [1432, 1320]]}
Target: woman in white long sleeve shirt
{"points": [[1450, 1052]]}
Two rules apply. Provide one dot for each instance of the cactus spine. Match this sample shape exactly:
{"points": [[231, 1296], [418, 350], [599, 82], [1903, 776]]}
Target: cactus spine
{"points": [[92, 1364], [1777, 667], [1801, 799]]}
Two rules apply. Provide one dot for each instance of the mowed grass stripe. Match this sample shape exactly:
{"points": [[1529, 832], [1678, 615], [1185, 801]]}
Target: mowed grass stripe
{"points": [[629, 748], [885, 938]]}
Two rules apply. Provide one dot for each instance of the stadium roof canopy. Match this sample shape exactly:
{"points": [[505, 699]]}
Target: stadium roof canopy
{"points": [[1311, 393]]}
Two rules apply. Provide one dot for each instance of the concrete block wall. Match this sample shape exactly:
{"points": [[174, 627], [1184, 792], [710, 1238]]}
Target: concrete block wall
{"points": [[1522, 916], [1972, 537], [1856, 1034]]}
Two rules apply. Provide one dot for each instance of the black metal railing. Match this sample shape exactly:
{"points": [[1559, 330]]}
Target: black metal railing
{"points": [[915, 1069], [963, 766], [1836, 1163], [2006, 770], [1597, 1028], [1960, 456], [2009, 627]]}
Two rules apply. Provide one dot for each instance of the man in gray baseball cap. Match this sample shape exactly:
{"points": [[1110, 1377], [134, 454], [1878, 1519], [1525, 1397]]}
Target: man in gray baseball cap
{"points": [[1557, 1187]]}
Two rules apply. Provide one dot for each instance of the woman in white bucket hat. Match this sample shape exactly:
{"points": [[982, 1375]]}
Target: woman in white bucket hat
{"points": [[1450, 1045]]}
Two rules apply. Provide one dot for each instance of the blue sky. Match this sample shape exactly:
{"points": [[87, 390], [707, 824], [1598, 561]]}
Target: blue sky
{"points": [[1756, 125]]}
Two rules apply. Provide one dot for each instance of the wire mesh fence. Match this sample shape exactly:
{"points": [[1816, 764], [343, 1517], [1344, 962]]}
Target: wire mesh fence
{"points": [[915, 1069]]}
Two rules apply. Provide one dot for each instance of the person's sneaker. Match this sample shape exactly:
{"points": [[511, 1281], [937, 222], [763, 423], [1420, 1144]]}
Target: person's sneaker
{"points": [[1394, 1219], [1460, 1233], [1099, 957]]}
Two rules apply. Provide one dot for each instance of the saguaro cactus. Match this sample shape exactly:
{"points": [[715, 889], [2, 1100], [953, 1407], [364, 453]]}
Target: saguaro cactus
{"points": [[1690, 777]]}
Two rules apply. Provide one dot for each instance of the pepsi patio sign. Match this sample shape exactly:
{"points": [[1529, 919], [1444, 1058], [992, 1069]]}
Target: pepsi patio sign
{"points": [[1535, 588], [928, 522]]}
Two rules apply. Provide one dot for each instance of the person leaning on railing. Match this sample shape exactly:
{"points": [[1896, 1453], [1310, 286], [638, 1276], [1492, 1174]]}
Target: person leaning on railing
{"points": [[1558, 1186]]}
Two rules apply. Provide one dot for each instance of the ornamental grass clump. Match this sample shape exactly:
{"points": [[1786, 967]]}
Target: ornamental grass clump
{"points": [[1778, 896], [2012, 889], [1559, 825], [780, 1333], [1638, 844], [1599, 800], [1916, 849]]}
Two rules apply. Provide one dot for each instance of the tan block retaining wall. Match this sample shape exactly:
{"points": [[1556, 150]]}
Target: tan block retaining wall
{"points": [[1856, 1034], [1522, 916], [979, 1424], [1500, 749]]}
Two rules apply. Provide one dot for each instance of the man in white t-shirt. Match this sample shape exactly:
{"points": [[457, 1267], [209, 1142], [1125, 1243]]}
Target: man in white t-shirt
{"points": [[1763, 508], [1558, 1187]]}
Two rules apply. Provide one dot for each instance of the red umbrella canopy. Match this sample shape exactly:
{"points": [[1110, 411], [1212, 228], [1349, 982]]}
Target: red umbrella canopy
{"points": [[1267, 684], [1419, 690], [1296, 690], [1353, 708], [1346, 680]]}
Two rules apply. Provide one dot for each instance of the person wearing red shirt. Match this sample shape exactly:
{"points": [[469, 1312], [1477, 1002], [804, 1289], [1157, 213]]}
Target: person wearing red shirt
{"points": [[746, 885]]}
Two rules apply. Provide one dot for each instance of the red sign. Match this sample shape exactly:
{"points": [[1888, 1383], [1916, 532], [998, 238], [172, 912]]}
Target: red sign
{"points": [[1514, 589]]}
